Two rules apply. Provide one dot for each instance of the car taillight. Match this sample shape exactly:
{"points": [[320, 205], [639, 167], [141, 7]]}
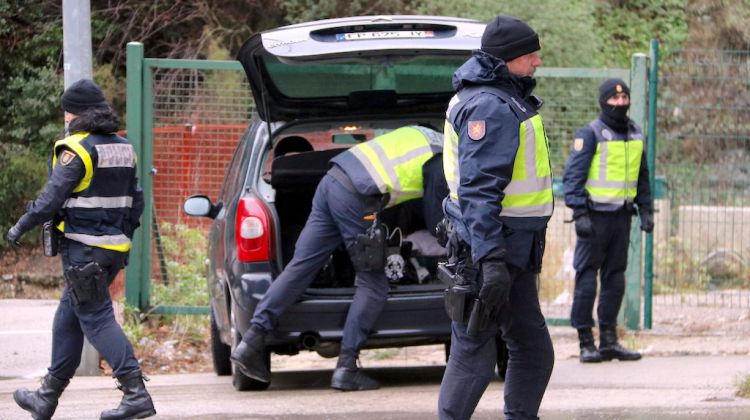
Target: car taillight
{"points": [[254, 231]]}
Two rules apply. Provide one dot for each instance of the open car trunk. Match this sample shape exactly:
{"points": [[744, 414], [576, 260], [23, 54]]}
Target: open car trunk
{"points": [[295, 178]]}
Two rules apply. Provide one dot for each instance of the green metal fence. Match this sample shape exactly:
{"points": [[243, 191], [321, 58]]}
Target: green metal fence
{"points": [[186, 116], [702, 237]]}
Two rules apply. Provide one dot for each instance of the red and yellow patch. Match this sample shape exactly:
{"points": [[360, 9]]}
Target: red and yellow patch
{"points": [[477, 130], [578, 144], [66, 157]]}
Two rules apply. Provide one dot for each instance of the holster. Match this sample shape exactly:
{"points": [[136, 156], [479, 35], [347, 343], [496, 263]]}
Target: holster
{"points": [[461, 291], [50, 239], [86, 284], [368, 250]]}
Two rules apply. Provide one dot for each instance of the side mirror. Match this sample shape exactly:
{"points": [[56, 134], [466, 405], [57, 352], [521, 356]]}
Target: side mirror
{"points": [[200, 205]]}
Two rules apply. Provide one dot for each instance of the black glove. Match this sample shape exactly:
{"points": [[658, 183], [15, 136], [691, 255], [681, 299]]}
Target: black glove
{"points": [[13, 235], [584, 228], [647, 220], [495, 283]]}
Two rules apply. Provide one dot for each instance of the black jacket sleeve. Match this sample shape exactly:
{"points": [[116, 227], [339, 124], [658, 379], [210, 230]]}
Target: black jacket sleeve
{"points": [[643, 197], [577, 169], [435, 190], [62, 180]]}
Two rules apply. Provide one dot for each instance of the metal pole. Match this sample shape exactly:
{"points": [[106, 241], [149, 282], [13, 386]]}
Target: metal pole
{"points": [[134, 123], [653, 90], [633, 273], [76, 40], [76, 66]]}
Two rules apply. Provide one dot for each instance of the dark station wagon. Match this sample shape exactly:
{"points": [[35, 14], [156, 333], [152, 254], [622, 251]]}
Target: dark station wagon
{"points": [[335, 83]]}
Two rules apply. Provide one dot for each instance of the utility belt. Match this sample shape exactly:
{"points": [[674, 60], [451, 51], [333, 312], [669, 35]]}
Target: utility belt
{"points": [[86, 284]]}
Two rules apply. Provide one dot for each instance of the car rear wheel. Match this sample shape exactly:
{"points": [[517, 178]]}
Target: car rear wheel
{"points": [[220, 352]]}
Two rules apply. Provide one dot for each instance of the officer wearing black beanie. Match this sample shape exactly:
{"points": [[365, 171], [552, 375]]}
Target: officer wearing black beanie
{"points": [[603, 202], [82, 95], [90, 206], [499, 205], [507, 37]]}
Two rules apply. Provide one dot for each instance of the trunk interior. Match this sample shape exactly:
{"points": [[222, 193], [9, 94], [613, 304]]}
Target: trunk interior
{"points": [[295, 176]]}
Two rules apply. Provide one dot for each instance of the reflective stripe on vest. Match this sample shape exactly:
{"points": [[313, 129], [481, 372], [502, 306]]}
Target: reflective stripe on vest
{"points": [[113, 156], [394, 162], [615, 166], [99, 202], [529, 192]]}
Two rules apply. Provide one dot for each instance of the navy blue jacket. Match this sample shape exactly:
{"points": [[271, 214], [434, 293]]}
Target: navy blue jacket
{"points": [[487, 165]]}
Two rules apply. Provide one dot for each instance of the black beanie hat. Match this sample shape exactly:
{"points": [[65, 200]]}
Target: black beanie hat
{"points": [[507, 37], [610, 87], [82, 95]]}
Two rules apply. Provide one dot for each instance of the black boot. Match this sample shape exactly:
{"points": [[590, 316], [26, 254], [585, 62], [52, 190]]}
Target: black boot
{"points": [[42, 402], [348, 377], [136, 402], [589, 353], [610, 349], [249, 355]]}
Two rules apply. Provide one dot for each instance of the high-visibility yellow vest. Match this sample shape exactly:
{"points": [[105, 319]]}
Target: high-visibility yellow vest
{"points": [[529, 193], [394, 162], [614, 170]]}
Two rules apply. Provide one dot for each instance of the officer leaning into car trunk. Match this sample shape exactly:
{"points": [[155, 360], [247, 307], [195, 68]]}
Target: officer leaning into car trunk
{"points": [[605, 177], [382, 172], [497, 165], [94, 202]]}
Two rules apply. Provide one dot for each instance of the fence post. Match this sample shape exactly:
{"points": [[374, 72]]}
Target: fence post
{"points": [[653, 90], [134, 128], [638, 106]]}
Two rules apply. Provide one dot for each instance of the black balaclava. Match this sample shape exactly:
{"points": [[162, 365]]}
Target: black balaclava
{"points": [[615, 116]]}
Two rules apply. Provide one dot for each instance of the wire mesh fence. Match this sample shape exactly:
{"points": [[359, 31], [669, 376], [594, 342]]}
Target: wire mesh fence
{"points": [[198, 117], [702, 241]]}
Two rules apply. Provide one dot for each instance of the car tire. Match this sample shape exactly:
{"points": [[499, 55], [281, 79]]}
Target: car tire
{"points": [[220, 352], [502, 356], [246, 383]]}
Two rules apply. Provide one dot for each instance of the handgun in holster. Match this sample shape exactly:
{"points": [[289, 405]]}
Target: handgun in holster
{"points": [[86, 284], [461, 290]]}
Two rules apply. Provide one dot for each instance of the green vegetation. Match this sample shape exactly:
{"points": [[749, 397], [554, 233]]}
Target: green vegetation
{"points": [[743, 386], [184, 254], [575, 33]]}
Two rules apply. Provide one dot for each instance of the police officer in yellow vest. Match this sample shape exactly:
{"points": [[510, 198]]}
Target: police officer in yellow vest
{"points": [[93, 198], [382, 172], [605, 178], [497, 165]]}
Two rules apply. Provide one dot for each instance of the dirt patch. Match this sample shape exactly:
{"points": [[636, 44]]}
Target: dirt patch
{"points": [[27, 274]]}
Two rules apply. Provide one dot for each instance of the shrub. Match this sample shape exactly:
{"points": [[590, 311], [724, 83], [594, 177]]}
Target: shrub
{"points": [[22, 176]]}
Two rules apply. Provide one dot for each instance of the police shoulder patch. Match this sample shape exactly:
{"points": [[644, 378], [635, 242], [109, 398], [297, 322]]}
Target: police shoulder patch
{"points": [[66, 157], [578, 144], [477, 130]]}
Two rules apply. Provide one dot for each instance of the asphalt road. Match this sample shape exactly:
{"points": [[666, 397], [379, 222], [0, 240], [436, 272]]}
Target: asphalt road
{"points": [[655, 387]]}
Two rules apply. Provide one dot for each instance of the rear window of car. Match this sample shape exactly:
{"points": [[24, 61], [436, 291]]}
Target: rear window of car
{"points": [[403, 75]]}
